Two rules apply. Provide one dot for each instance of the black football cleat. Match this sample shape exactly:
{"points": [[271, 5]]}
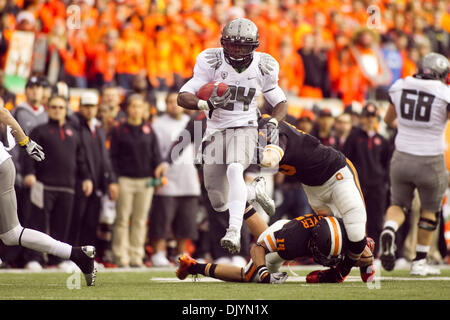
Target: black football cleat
{"points": [[387, 249], [84, 259]]}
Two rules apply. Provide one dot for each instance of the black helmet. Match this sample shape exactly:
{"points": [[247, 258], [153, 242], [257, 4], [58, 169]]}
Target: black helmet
{"points": [[433, 66], [239, 39], [328, 241]]}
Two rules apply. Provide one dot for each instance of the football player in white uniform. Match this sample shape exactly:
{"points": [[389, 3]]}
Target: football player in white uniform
{"points": [[11, 232], [231, 137], [420, 108]]}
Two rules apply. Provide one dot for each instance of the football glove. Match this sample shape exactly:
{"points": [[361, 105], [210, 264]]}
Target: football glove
{"points": [[34, 150], [216, 102], [271, 128], [266, 277]]}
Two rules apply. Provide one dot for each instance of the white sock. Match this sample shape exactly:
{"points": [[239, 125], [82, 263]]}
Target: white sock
{"points": [[251, 193], [422, 248], [237, 196], [392, 224], [42, 242]]}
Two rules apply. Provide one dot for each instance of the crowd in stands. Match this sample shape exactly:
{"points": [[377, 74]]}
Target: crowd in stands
{"points": [[325, 48], [131, 50]]}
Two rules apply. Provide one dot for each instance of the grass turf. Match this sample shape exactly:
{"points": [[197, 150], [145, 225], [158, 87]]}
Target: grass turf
{"points": [[153, 284]]}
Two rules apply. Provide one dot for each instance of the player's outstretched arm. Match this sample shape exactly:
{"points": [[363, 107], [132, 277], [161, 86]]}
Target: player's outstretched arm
{"points": [[32, 148], [7, 119]]}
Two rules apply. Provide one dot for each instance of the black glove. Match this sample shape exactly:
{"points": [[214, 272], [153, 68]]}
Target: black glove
{"points": [[34, 150], [216, 102]]}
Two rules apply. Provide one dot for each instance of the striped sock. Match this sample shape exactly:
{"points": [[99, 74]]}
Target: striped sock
{"points": [[206, 269]]}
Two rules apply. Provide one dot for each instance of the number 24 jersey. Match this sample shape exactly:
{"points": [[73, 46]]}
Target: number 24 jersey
{"points": [[421, 107], [261, 77]]}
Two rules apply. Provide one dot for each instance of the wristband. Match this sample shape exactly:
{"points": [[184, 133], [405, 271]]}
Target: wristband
{"points": [[202, 104], [24, 141], [274, 121], [263, 274]]}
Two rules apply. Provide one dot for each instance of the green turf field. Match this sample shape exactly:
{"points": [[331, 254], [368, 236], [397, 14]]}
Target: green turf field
{"points": [[154, 284]]}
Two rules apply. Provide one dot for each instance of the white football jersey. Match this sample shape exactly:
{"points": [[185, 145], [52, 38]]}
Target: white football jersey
{"points": [[261, 77], [421, 107], [3, 153]]}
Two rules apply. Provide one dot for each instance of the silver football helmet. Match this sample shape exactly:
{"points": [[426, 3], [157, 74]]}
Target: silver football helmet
{"points": [[239, 39], [433, 66]]}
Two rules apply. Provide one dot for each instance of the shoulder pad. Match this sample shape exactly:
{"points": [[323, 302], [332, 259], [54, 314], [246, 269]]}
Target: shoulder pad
{"points": [[266, 63], [213, 57]]}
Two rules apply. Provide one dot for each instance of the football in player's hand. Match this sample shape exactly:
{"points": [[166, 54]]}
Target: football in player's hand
{"points": [[206, 90]]}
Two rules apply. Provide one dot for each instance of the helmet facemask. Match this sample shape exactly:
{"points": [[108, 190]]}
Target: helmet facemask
{"points": [[238, 54]]}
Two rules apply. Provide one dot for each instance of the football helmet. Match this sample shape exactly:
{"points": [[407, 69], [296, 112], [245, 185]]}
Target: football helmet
{"points": [[328, 241], [433, 66], [239, 40]]}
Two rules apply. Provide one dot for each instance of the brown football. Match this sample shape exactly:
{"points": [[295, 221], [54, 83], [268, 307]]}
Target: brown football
{"points": [[206, 90]]}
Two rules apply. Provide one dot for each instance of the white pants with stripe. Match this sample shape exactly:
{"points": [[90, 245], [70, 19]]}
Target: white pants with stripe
{"points": [[341, 194]]}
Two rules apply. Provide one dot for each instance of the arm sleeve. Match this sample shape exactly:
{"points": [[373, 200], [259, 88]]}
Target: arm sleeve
{"points": [[82, 165], [156, 151], [113, 151], [203, 71], [271, 90], [108, 172]]}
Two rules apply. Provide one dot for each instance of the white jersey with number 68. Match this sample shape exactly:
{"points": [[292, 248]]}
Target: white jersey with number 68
{"points": [[421, 106], [261, 77]]}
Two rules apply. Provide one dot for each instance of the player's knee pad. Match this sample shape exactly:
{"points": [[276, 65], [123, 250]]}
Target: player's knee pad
{"points": [[12, 237], [428, 224], [217, 201]]}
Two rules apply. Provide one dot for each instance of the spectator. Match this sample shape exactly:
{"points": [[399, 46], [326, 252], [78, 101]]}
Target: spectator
{"points": [[306, 121], [314, 59], [111, 97], [323, 129], [439, 38], [130, 57], [85, 217], [342, 128], [175, 208], [370, 153], [102, 59], [8, 97], [367, 54], [65, 157], [291, 67], [70, 47], [136, 160]]}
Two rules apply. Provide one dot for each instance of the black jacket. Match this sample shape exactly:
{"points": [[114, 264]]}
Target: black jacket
{"points": [[97, 156], [65, 157], [134, 150], [370, 155]]}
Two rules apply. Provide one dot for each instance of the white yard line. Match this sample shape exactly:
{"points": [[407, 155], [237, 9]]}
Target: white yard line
{"points": [[303, 279]]}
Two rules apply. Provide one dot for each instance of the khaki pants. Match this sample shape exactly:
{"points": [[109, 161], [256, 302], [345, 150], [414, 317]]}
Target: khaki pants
{"points": [[130, 225]]}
